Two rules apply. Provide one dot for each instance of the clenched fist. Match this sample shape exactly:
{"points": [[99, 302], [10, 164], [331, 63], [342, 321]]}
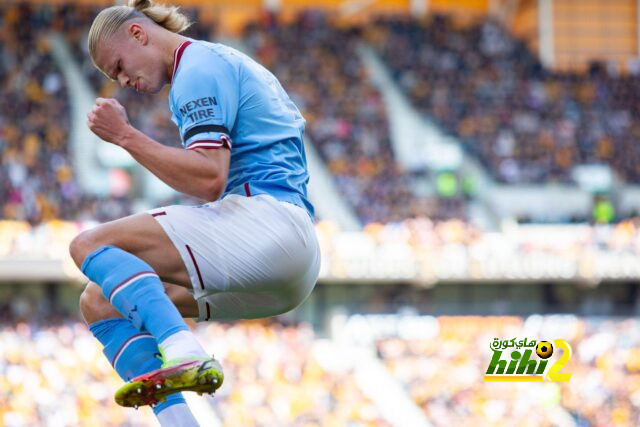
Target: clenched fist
{"points": [[108, 119]]}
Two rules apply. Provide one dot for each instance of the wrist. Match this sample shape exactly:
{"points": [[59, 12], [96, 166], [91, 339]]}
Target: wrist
{"points": [[128, 137]]}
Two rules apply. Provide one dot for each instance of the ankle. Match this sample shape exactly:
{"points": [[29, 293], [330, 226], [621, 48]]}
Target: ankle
{"points": [[180, 345]]}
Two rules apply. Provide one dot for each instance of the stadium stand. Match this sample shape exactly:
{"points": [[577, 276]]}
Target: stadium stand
{"points": [[444, 373], [56, 375], [277, 374], [282, 374], [37, 180], [525, 123], [516, 124]]}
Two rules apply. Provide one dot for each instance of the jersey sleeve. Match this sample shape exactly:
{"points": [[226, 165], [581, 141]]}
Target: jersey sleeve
{"points": [[205, 107]]}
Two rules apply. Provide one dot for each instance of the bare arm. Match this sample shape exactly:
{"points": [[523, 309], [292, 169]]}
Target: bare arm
{"points": [[201, 173]]}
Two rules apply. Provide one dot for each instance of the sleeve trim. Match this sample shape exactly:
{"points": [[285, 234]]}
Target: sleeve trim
{"points": [[210, 144], [204, 128]]}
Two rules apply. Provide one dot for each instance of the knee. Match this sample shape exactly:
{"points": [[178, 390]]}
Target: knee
{"points": [[82, 245], [94, 307]]}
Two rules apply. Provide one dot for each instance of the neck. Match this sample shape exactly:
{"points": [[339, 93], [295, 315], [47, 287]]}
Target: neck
{"points": [[171, 44]]}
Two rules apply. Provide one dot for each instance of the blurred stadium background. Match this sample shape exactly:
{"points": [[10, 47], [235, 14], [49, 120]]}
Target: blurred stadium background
{"points": [[476, 172]]}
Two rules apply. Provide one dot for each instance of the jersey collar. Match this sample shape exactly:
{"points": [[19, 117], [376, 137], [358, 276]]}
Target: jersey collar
{"points": [[178, 56]]}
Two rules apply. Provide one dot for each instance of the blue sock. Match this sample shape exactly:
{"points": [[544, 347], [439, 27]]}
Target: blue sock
{"points": [[135, 290], [131, 352]]}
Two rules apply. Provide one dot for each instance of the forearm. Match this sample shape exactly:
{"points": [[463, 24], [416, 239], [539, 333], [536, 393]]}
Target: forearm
{"points": [[186, 171]]}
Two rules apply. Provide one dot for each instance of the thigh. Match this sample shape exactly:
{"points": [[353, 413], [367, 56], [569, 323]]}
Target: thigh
{"points": [[182, 299], [140, 235], [95, 307]]}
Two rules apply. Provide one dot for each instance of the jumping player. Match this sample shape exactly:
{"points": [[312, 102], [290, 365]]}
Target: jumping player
{"points": [[250, 252]]}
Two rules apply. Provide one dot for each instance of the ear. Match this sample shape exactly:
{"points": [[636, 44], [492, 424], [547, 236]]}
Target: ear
{"points": [[138, 33]]}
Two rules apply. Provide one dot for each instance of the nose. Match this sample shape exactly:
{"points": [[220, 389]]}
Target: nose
{"points": [[123, 80]]}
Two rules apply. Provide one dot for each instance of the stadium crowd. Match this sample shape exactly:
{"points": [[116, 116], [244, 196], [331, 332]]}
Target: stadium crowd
{"points": [[57, 376], [276, 374], [37, 181], [525, 123], [443, 374], [36, 175], [283, 374], [280, 374]]}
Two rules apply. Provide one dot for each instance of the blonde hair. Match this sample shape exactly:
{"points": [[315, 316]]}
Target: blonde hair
{"points": [[110, 19]]}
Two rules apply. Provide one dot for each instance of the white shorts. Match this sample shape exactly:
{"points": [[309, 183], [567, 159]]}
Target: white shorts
{"points": [[247, 257]]}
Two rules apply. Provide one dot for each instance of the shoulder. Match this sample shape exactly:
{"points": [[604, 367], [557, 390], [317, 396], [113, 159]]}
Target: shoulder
{"points": [[202, 68], [196, 61], [205, 59]]}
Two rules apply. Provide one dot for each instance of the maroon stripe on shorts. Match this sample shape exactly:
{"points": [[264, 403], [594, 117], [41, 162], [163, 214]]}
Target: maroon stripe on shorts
{"points": [[196, 265], [246, 189], [158, 214], [208, 311]]}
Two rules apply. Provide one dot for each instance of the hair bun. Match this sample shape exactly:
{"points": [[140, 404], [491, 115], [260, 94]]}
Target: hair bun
{"points": [[140, 4]]}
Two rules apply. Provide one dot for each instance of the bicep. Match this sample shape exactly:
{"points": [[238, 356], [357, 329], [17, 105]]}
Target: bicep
{"points": [[219, 159]]}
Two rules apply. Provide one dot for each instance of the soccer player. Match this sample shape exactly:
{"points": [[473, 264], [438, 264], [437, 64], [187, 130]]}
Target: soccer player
{"points": [[250, 252]]}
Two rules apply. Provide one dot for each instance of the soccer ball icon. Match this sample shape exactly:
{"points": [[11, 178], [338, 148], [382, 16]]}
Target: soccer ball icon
{"points": [[544, 349]]}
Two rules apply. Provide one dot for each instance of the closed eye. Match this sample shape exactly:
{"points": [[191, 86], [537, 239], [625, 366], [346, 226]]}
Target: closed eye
{"points": [[118, 68]]}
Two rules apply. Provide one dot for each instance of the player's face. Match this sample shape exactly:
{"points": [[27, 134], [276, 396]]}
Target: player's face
{"points": [[133, 62]]}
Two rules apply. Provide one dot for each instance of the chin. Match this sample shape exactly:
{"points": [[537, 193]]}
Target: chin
{"points": [[160, 83], [154, 89], [151, 89]]}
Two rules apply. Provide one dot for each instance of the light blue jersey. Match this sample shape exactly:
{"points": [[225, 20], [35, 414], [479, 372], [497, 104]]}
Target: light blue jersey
{"points": [[222, 98]]}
